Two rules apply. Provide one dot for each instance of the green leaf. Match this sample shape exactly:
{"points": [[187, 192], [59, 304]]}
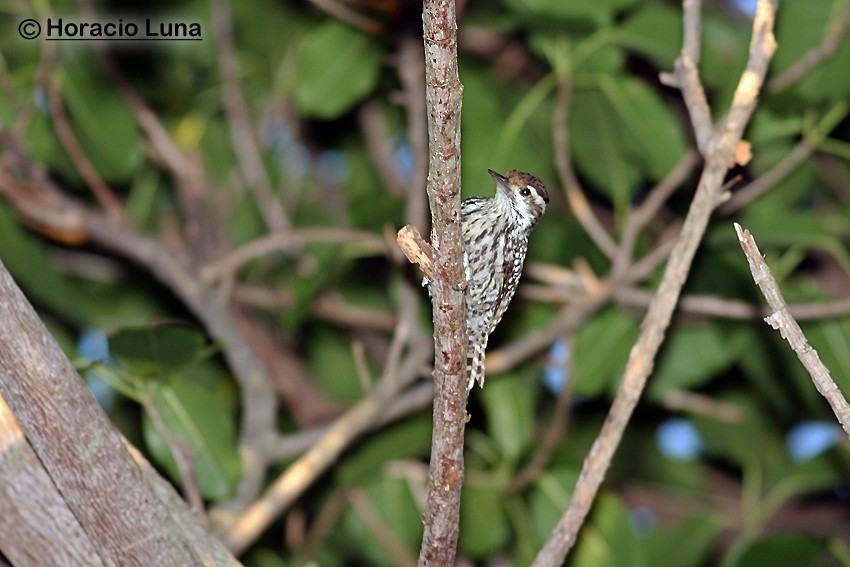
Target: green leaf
{"points": [[517, 121], [593, 55], [410, 439], [609, 538], [245, 222], [41, 141], [599, 149], [324, 261], [549, 498], [724, 55], [691, 356], [781, 225], [598, 55], [158, 348], [389, 505], [215, 145], [689, 542], [734, 441], [598, 12], [27, 259], [337, 66], [830, 338], [654, 31], [266, 557], [104, 125], [782, 550], [510, 406], [521, 140], [393, 500], [200, 421], [802, 27], [484, 526], [146, 192], [264, 28], [655, 138], [601, 350], [767, 126], [331, 364], [797, 480]]}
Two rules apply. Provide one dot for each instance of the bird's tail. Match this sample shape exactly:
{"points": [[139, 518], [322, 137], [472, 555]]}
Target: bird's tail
{"points": [[475, 365]]}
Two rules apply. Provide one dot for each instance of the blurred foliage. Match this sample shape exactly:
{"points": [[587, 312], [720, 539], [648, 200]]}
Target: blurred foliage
{"points": [[743, 501]]}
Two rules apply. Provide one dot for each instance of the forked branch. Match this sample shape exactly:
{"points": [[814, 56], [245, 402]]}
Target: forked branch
{"points": [[718, 145]]}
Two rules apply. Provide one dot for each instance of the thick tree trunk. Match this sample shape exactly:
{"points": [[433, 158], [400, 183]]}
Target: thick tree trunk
{"points": [[76, 469]]}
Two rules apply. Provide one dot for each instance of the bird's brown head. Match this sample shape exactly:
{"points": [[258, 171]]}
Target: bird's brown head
{"points": [[527, 192]]}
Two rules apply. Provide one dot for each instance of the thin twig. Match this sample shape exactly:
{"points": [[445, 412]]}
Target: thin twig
{"points": [[411, 75], [241, 531], [182, 456], [287, 240], [700, 404], [242, 132], [576, 198], [326, 520], [202, 230], [512, 354], [707, 305], [801, 152], [329, 306], [347, 15], [686, 77], [732, 309], [555, 431], [641, 215], [814, 56], [376, 525], [647, 265], [358, 353], [99, 188], [662, 191], [373, 124], [290, 485], [782, 320], [788, 164], [692, 25], [412, 400], [657, 319]]}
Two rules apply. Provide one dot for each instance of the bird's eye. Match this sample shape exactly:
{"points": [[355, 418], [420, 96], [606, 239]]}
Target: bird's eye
{"points": [[525, 192]]}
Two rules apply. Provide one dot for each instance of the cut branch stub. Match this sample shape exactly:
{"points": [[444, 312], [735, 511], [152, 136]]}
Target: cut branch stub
{"points": [[416, 249]]}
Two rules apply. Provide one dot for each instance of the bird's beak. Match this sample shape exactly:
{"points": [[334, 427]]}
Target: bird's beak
{"points": [[501, 180]]}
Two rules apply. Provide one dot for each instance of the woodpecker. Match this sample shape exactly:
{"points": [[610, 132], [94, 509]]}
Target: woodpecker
{"points": [[495, 239]]}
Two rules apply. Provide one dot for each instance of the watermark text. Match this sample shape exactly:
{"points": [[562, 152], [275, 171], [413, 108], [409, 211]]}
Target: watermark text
{"points": [[117, 29]]}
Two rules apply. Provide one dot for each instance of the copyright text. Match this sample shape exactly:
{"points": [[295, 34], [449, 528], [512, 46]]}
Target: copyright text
{"points": [[145, 29]]}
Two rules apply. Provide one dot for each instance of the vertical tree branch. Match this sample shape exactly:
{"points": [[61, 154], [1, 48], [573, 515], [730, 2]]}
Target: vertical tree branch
{"points": [[443, 93]]}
